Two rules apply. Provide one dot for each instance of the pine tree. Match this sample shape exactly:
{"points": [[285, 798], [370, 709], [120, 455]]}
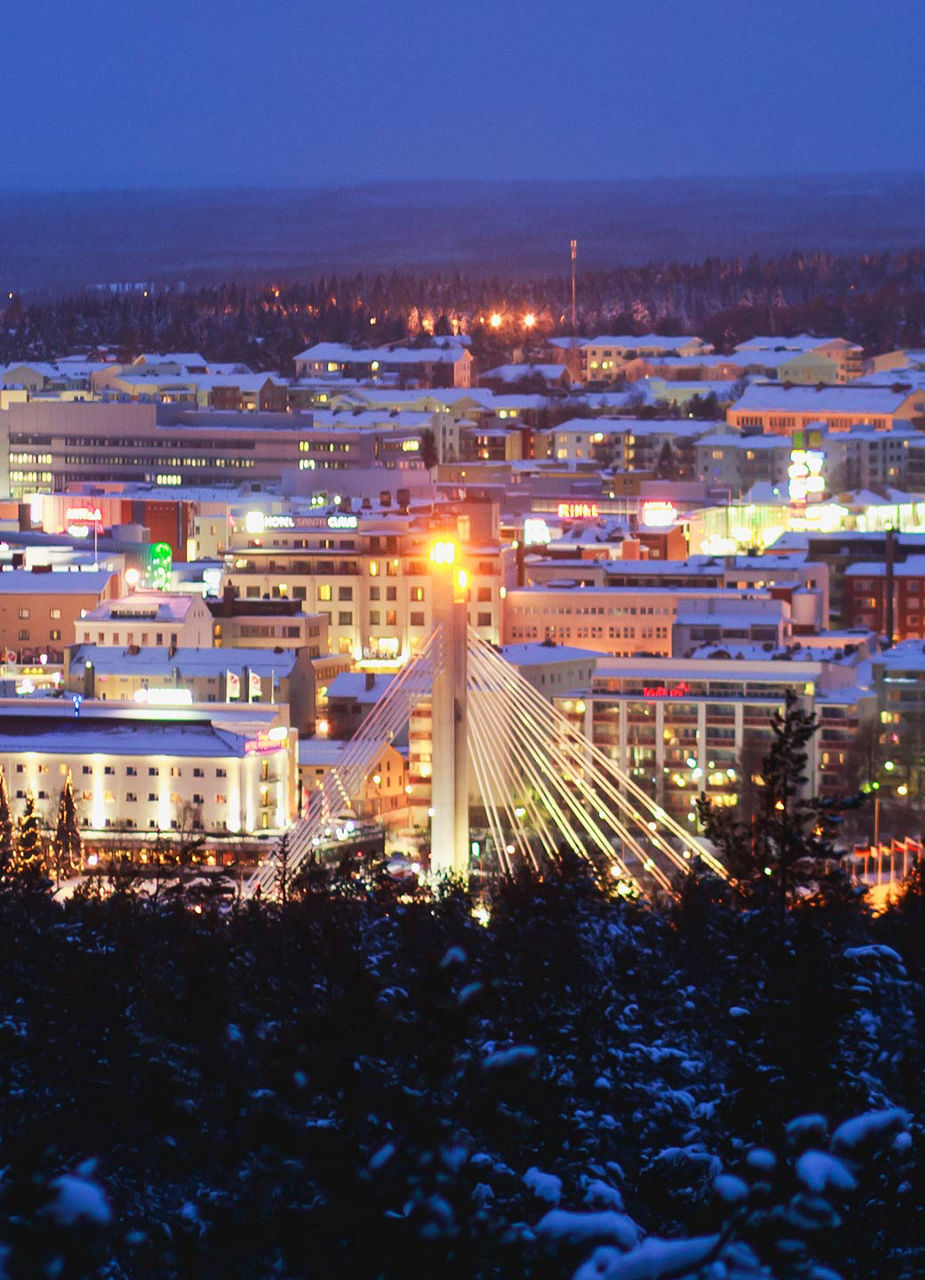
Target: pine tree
{"points": [[29, 851], [67, 843], [788, 842]]}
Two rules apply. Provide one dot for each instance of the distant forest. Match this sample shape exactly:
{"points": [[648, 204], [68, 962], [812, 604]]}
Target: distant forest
{"points": [[877, 300]]}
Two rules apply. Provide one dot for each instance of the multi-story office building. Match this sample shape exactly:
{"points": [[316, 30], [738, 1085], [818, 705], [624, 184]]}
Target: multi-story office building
{"points": [[51, 445]]}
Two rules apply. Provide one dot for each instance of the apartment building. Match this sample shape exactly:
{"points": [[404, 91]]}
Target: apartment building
{"points": [[866, 597], [601, 359], [40, 610], [449, 365], [775, 409], [680, 727], [148, 618], [805, 359], [622, 621]]}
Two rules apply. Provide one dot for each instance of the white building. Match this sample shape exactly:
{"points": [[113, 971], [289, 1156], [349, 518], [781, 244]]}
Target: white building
{"points": [[138, 770], [148, 618]]}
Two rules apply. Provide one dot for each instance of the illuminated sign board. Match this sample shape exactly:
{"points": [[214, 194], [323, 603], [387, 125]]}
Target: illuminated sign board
{"points": [[666, 691], [410, 446], [79, 520], [536, 532], [164, 697], [160, 566], [658, 515], [91, 515], [805, 474], [342, 522], [578, 511], [266, 740]]}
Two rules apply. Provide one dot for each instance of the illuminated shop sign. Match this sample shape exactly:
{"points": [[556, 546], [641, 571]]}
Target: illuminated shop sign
{"points": [[805, 478], [666, 690], [266, 740], [342, 522], [578, 511], [658, 515], [164, 697], [536, 532]]}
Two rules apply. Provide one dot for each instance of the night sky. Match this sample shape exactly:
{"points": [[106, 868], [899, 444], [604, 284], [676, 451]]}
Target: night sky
{"points": [[301, 92]]}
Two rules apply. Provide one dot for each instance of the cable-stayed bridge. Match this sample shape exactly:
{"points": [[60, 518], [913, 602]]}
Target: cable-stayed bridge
{"points": [[541, 785]]}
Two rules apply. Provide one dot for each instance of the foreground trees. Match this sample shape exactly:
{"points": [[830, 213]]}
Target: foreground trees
{"points": [[352, 1084]]}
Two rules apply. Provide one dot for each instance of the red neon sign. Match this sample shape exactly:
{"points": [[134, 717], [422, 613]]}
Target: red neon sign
{"points": [[578, 511], [666, 691]]}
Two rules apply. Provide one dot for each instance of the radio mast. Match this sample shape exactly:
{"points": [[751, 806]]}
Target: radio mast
{"points": [[574, 264]]}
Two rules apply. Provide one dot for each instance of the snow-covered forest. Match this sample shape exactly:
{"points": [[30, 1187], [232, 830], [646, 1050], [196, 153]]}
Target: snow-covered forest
{"points": [[359, 1084], [876, 299]]}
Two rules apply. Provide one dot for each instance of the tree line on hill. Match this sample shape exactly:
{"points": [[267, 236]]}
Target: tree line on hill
{"points": [[876, 300]]}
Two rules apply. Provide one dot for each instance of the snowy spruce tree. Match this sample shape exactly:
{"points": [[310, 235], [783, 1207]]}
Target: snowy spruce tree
{"points": [[788, 845], [66, 843], [29, 848], [7, 844]]}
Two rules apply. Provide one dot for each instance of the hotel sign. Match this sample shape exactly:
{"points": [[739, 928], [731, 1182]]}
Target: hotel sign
{"points": [[578, 511]]}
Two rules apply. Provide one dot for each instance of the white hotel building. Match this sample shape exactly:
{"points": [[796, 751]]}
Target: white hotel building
{"points": [[224, 771]]}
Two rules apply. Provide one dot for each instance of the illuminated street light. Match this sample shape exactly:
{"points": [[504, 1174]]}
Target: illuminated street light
{"points": [[495, 320], [529, 320]]}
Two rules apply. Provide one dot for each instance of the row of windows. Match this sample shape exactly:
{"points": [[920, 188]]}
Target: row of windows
{"points": [[131, 442], [592, 610], [131, 770]]}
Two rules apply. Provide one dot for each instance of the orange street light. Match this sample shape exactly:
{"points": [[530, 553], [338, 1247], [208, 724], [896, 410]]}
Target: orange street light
{"points": [[495, 320], [529, 320]]}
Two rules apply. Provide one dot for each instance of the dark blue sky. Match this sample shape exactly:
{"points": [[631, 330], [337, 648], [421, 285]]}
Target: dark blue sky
{"points": [[320, 92]]}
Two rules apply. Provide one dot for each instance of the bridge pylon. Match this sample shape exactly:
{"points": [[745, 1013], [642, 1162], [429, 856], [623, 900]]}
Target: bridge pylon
{"points": [[449, 842]]}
